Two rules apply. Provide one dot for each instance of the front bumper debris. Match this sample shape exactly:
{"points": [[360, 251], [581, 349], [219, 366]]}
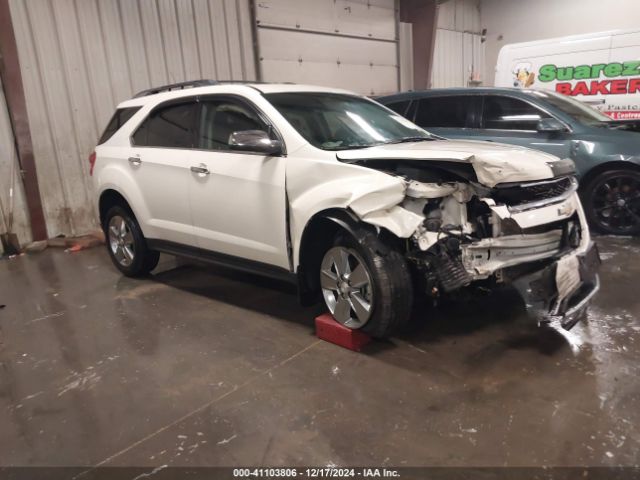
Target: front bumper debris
{"points": [[484, 257], [559, 292]]}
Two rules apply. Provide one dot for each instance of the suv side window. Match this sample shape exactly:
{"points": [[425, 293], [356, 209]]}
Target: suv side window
{"points": [[444, 112], [220, 118], [399, 107], [169, 126], [119, 118], [506, 113]]}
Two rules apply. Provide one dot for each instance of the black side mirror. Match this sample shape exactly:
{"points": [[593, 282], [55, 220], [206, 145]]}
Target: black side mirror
{"points": [[255, 141], [550, 125]]}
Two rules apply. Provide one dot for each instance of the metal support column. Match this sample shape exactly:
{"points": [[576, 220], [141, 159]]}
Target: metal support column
{"points": [[17, 106]]}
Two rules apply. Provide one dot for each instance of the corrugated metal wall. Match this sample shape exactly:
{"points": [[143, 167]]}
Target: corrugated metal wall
{"points": [[9, 163], [458, 57], [80, 58], [459, 15]]}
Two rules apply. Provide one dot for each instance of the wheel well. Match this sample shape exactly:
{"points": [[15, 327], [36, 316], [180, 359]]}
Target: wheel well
{"points": [[108, 199], [319, 235], [597, 170]]}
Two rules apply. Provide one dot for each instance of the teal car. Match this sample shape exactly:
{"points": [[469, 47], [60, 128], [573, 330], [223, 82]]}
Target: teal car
{"points": [[606, 152]]}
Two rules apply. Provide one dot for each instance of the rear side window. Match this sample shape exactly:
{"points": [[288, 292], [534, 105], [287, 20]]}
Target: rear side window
{"points": [[506, 113], [398, 107], [119, 118], [444, 112], [170, 126]]}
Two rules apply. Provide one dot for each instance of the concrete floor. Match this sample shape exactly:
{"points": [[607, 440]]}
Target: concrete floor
{"points": [[195, 366]]}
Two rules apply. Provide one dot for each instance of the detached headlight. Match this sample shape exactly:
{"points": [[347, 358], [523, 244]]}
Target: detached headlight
{"points": [[562, 167], [574, 234]]}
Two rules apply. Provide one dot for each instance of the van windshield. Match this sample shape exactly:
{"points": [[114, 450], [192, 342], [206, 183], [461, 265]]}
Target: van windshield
{"points": [[577, 110]]}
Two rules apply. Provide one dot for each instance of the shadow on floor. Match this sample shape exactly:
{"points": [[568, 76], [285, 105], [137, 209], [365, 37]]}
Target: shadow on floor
{"points": [[500, 313]]}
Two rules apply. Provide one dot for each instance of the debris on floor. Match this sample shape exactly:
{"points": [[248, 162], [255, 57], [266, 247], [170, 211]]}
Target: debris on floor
{"points": [[37, 246], [70, 244]]}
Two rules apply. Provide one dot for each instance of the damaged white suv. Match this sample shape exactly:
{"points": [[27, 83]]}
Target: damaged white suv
{"points": [[340, 195]]}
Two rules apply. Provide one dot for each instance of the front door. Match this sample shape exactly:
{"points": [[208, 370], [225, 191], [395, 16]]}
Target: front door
{"points": [[238, 199], [450, 116], [514, 121]]}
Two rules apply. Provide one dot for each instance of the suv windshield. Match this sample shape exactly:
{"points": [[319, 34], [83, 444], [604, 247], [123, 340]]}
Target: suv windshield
{"points": [[577, 110], [338, 122]]}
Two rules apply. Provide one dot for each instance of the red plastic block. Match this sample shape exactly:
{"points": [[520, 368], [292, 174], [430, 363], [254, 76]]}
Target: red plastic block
{"points": [[329, 330]]}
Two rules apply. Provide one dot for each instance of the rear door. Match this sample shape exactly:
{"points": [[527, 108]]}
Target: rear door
{"points": [[159, 164], [237, 198], [447, 116], [514, 121]]}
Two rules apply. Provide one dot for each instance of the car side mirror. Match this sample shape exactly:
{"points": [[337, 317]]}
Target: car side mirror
{"points": [[550, 125], [256, 141]]}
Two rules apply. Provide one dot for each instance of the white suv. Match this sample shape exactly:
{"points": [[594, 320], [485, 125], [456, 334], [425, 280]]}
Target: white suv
{"points": [[340, 195]]}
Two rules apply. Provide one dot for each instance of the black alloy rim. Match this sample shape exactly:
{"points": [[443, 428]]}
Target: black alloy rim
{"points": [[616, 203]]}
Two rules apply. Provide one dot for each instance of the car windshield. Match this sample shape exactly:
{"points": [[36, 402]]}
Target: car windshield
{"points": [[577, 110], [333, 121]]}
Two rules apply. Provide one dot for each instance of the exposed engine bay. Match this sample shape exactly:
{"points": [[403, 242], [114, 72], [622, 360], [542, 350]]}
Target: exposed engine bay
{"points": [[530, 234]]}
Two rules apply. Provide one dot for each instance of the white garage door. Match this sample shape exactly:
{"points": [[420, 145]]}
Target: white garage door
{"points": [[458, 56], [350, 44]]}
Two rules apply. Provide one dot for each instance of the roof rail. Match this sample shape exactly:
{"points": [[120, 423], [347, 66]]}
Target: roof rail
{"points": [[175, 86], [199, 83], [249, 82]]}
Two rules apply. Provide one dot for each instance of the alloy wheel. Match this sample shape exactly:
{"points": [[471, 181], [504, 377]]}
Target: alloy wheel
{"points": [[347, 287], [121, 241], [616, 204]]}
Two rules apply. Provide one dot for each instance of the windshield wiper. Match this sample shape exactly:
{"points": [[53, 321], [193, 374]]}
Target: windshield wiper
{"points": [[349, 147], [391, 142], [410, 139]]}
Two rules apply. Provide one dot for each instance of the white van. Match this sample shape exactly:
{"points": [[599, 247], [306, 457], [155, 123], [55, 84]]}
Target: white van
{"points": [[601, 69]]}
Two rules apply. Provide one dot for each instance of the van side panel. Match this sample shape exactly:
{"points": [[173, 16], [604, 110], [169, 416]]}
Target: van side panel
{"points": [[601, 69]]}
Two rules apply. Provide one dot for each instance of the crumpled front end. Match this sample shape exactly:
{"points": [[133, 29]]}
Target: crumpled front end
{"points": [[533, 235], [467, 213], [492, 221]]}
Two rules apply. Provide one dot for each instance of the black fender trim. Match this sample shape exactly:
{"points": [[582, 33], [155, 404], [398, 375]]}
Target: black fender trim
{"points": [[345, 218]]}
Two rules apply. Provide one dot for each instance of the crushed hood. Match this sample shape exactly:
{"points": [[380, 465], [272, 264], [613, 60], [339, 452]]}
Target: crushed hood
{"points": [[493, 163]]}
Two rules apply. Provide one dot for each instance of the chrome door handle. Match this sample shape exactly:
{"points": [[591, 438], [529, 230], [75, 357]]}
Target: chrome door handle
{"points": [[135, 161], [201, 169]]}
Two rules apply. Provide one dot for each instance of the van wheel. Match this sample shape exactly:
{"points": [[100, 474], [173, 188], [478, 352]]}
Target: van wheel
{"points": [[612, 202], [126, 244], [366, 288]]}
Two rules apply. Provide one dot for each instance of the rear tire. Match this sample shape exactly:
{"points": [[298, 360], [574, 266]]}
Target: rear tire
{"points": [[612, 202], [126, 244], [366, 285]]}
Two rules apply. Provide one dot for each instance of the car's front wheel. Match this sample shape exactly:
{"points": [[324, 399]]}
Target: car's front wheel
{"points": [[612, 202], [126, 244], [365, 287]]}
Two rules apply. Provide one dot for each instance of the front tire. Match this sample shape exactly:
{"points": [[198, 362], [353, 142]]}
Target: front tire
{"points": [[126, 244], [612, 202], [366, 287]]}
